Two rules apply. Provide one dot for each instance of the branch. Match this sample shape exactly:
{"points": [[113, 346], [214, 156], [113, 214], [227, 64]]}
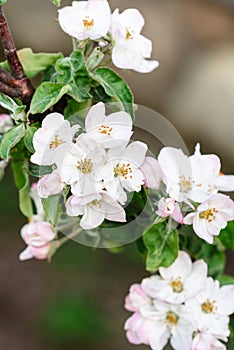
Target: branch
{"points": [[17, 71]]}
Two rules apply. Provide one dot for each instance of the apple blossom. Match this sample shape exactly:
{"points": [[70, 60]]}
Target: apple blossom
{"points": [[193, 178], [6, 123], [156, 325], [52, 140], [152, 173], [168, 207], [179, 282], [50, 184], [131, 49], [137, 298], [38, 237], [80, 166], [86, 19], [122, 170], [211, 216], [211, 308], [95, 208], [108, 131]]}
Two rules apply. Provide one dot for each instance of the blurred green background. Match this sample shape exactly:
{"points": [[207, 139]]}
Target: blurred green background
{"points": [[76, 302]]}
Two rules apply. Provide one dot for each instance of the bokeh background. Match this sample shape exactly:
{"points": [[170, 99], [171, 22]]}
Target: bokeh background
{"points": [[76, 302]]}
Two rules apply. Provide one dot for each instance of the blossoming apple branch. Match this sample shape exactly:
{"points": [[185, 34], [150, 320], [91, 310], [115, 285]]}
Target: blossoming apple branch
{"points": [[80, 176]]}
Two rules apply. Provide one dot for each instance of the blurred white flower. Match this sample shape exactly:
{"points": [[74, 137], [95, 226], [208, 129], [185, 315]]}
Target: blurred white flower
{"points": [[211, 216], [131, 49], [108, 131], [6, 123], [152, 173], [86, 19], [206, 341], [179, 282]]}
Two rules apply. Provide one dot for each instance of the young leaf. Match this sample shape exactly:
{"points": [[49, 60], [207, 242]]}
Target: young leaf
{"points": [[94, 59], [19, 168], [10, 105], [115, 87], [25, 202], [162, 246], [10, 139], [56, 2], [52, 207], [225, 279], [34, 63], [28, 138], [72, 70], [39, 170], [47, 95]]}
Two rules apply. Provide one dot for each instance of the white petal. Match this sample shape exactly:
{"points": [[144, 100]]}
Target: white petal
{"points": [[95, 116], [135, 153], [182, 267], [92, 218]]}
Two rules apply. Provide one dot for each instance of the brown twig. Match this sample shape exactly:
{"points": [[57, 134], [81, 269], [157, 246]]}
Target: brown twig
{"points": [[20, 81], [10, 91]]}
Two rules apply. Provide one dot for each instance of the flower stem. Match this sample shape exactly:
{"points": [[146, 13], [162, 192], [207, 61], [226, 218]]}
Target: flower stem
{"points": [[63, 240]]}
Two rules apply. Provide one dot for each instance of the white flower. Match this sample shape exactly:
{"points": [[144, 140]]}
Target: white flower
{"points": [[179, 282], [162, 322], [137, 299], [122, 170], [50, 184], [206, 341], [81, 164], [95, 208], [211, 308], [168, 207], [52, 140], [6, 123], [3, 165], [211, 216], [152, 173], [86, 19], [109, 131], [131, 49], [193, 178]]}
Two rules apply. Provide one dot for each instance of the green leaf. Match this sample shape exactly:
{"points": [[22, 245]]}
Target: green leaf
{"points": [[56, 2], [162, 246], [34, 63], [72, 70], [226, 236], [10, 139], [28, 138], [39, 170], [52, 207], [94, 59], [2, 2], [12, 106], [19, 168], [47, 95], [25, 202], [226, 279], [115, 87]]}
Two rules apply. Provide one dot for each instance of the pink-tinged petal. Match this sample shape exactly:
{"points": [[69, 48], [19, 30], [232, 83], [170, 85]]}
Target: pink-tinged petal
{"points": [[50, 184], [136, 299], [41, 253], [95, 116], [135, 153], [181, 267], [75, 206], [152, 173], [26, 254], [114, 212], [225, 183], [92, 218], [131, 326], [152, 285], [177, 215], [225, 300]]}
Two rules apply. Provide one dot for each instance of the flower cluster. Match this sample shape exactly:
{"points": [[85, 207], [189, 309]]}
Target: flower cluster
{"points": [[191, 190], [181, 304], [99, 166], [122, 32]]}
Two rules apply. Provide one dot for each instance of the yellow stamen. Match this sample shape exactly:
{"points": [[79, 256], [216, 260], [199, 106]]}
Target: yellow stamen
{"points": [[57, 142], [124, 170], [85, 166], [172, 319], [105, 129], [128, 35], [88, 23], [177, 285], [208, 307], [208, 214]]}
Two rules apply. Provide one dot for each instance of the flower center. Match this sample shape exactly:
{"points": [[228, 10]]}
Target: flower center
{"points": [[208, 307], [177, 285], [85, 166], [208, 215], [105, 129], [128, 34], [57, 142], [96, 203], [123, 170], [185, 184], [171, 319], [88, 24]]}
